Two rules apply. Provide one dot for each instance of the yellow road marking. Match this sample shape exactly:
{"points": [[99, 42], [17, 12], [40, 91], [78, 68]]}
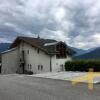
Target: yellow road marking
{"points": [[89, 78]]}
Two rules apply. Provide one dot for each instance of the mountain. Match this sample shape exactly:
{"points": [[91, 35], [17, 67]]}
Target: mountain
{"points": [[93, 54], [79, 51], [3, 47]]}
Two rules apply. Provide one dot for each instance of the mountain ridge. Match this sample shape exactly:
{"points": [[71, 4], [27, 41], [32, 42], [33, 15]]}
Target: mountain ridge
{"points": [[3, 47], [93, 54]]}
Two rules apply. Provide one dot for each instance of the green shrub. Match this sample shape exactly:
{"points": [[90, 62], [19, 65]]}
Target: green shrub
{"points": [[82, 65]]}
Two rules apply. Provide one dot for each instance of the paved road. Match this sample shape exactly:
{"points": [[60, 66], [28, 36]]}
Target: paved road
{"points": [[15, 87]]}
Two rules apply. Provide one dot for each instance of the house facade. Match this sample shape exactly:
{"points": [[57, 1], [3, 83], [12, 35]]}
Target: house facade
{"points": [[36, 55]]}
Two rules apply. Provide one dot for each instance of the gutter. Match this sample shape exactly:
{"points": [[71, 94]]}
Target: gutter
{"points": [[9, 50]]}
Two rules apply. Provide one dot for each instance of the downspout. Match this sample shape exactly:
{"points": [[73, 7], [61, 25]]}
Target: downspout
{"points": [[50, 63]]}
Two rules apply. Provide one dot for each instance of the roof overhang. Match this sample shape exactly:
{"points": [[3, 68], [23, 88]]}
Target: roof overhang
{"points": [[19, 40]]}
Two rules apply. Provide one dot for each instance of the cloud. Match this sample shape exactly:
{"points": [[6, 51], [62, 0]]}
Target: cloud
{"points": [[89, 41], [4, 40], [76, 22], [59, 35]]}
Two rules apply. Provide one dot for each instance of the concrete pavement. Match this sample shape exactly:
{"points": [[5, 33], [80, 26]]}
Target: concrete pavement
{"points": [[66, 76], [19, 87]]}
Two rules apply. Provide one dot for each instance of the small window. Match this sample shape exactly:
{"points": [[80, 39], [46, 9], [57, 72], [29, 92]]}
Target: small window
{"points": [[27, 51], [38, 67], [28, 66], [41, 67]]}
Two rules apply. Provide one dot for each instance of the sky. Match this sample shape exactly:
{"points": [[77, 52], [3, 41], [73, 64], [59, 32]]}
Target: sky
{"points": [[76, 22]]}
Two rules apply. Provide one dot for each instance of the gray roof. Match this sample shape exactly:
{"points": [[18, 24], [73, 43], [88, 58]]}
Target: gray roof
{"points": [[47, 45]]}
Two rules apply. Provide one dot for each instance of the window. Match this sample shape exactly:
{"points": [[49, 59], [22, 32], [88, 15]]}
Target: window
{"points": [[41, 67], [61, 48], [30, 66], [38, 67], [27, 51]]}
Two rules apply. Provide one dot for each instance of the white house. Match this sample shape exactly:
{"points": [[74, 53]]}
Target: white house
{"points": [[36, 55]]}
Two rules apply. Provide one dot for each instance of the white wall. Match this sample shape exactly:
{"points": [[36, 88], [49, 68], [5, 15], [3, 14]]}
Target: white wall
{"points": [[35, 59], [56, 63], [9, 62]]}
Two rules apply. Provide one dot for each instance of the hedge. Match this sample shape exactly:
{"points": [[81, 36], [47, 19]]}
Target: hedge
{"points": [[82, 65]]}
